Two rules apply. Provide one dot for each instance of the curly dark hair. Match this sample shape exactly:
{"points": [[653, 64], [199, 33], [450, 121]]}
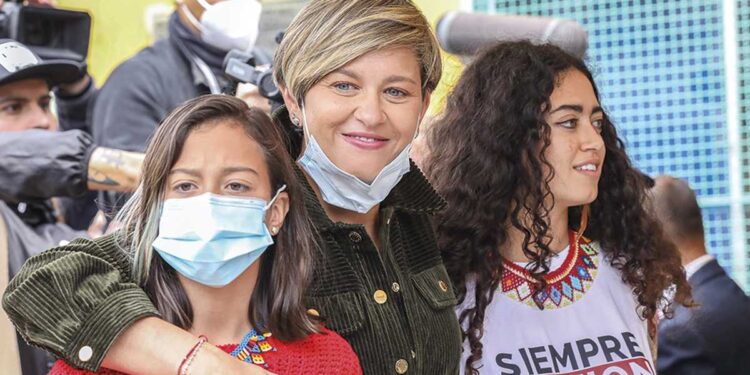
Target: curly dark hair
{"points": [[485, 160]]}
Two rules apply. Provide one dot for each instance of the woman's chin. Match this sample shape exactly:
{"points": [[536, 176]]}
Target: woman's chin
{"points": [[361, 170], [579, 201]]}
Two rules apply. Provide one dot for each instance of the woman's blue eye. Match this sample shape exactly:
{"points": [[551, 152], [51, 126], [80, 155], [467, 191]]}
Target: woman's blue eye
{"points": [[343, 86], [395, 92]]}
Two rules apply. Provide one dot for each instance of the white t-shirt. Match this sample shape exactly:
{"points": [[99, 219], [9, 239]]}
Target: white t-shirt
{"points": [[589, 325]]}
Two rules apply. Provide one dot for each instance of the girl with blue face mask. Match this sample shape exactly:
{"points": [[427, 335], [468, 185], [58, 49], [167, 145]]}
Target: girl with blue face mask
{"points": [[222, 244]]}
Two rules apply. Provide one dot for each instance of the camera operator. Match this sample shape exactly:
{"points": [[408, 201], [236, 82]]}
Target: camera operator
{"points": [[142, 90], [38, 163]]}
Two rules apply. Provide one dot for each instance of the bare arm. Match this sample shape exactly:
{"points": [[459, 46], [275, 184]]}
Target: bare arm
{"points": [[141, 350], [114, 170]]}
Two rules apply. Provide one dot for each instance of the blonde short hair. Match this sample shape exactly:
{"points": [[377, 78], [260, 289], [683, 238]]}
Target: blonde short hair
{"points": [[328, 34]]}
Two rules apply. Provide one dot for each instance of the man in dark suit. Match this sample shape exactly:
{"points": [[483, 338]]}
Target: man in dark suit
{"points": [[713, 338]]}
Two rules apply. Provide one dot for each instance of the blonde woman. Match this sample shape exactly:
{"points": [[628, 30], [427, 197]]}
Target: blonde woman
{"points": [[356, 77]]}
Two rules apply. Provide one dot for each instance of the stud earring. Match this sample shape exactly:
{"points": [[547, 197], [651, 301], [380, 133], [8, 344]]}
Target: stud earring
{"points": [[295, 120], [274, 230]]}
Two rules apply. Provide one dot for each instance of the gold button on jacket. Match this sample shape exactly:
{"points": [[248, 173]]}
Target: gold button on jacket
{"points": [[402, 366], [443, 286], [313, 312], [380, 296]]}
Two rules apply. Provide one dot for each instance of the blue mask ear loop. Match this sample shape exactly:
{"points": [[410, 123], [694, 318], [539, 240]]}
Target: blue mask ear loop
{"points": [[305, 129], [267, 206]]}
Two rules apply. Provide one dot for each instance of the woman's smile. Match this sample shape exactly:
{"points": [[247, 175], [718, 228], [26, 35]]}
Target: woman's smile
{"points": [[365, 141]]}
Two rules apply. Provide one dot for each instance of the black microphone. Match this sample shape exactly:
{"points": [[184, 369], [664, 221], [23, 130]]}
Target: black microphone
{"points": [[464, 33]]}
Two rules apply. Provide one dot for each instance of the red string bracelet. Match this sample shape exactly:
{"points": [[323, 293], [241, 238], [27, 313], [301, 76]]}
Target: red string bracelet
{"points": [[190, 356]]}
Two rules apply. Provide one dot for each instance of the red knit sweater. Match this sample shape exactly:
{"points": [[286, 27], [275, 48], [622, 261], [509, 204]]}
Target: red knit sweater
{"points": [[320, 353]]}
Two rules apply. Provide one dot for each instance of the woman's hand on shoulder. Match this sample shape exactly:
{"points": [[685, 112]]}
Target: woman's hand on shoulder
{"points": [[212, 360]]}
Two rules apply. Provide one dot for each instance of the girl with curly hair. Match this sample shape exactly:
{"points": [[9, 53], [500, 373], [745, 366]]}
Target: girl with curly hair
{"points": [[558, 266]]}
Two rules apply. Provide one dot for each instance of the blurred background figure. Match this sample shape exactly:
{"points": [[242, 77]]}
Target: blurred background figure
{"points": [[188, 63], [714, 337], [37, 163]]}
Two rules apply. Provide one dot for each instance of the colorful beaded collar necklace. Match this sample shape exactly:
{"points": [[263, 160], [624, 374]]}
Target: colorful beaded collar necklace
{"points": [[251, 348], [565, 285]]}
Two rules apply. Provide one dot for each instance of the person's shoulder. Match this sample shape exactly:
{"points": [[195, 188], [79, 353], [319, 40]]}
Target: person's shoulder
{"points": [[720, 315], [145, 65], [346, 361], [327, 338], [108, 241], [329, 343], [324, 352], [154, 54], [721, 296], [711, 282]]}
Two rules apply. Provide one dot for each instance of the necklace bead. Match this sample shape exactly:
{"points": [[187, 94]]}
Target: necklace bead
{"points": [[251, 348]]}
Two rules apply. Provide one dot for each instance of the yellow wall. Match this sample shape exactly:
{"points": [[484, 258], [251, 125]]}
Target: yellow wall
{"points": [[452, 68], [118, 32]]}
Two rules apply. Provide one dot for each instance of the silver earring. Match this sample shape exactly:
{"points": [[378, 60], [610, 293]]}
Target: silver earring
{"points": [[274, 230], [295, 120]]}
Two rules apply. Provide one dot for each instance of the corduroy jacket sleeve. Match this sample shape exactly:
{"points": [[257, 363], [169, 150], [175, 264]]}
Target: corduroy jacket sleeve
{"points": [[75, 300]]}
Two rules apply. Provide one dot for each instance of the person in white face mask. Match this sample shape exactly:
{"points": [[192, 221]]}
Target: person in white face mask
{"points": [[224, 24], [188, 63], [223, 247]]}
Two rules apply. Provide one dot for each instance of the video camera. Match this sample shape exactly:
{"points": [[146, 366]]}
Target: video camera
{"points": [[51, 33], [254, 68]]}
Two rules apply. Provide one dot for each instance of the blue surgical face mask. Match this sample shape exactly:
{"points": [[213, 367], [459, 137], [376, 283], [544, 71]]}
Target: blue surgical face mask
{"points": [[340, 188], [212, 239]]}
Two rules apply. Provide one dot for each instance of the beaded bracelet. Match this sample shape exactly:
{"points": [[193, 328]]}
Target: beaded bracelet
{"points": [[188, 360]]}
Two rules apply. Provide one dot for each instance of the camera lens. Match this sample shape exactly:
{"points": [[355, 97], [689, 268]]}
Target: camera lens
{"points": [[267, 85]]}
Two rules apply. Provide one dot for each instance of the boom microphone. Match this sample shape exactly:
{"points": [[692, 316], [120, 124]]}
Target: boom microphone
{"points": [[464, 33]]}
